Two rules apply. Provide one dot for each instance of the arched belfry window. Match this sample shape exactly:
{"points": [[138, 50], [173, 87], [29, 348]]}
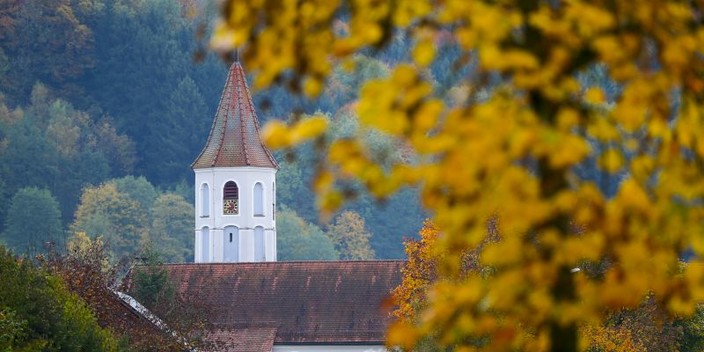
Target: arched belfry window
{"points": [[258, 199], [205, 200], [230, 199]]}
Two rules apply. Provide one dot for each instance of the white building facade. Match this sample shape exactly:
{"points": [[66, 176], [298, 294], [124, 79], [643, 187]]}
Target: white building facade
{"points": [[235, 184]]}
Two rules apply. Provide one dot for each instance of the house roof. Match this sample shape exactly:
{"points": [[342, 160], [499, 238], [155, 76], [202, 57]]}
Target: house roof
{"points": [[242, 340], [312, 302], [234, 137], [113, 312]]}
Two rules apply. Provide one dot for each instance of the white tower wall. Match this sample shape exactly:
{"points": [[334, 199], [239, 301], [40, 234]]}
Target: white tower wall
{"points": [[245, 220]]}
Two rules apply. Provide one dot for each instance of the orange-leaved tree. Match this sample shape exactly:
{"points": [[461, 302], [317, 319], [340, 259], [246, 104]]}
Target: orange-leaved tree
{"points": [[510, 147], [419, 272]]}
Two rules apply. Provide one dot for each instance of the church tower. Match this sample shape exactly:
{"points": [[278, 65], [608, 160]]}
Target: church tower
{"points": [[235, 183]]}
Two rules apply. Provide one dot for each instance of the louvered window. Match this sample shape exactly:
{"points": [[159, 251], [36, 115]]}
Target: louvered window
{"points": [[230, 199]]}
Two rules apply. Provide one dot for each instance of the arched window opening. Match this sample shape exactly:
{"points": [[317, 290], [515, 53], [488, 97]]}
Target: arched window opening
{"points": [[258, 199], [205, 245], [205, 201], [231, 249], [259, 252], [230, 199]]}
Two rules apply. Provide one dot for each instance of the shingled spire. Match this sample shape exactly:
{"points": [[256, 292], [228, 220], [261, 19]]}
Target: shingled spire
{"points": [[234, 138]]}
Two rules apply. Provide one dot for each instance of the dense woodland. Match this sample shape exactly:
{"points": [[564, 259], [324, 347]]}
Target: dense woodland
{"points": [[105, 103]]}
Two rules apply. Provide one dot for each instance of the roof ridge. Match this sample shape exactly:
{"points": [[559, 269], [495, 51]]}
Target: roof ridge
{"points": [[243, 129], [256, 124], [212, 127], [221, 140]]}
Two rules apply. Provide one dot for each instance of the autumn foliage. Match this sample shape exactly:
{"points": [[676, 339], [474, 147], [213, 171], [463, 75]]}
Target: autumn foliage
{"points": [[86, 271], [418, 273], [512, 148]]}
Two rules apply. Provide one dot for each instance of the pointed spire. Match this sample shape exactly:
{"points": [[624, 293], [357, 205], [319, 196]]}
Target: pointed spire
{"points": [[234, 138]]}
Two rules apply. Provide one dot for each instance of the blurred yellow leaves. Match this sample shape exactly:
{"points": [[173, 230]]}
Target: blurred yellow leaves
{"points": [[277, 135], [512, 150]]}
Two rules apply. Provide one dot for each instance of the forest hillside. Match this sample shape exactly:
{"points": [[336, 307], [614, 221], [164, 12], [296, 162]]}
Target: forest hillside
{"points": [[104, 104]]}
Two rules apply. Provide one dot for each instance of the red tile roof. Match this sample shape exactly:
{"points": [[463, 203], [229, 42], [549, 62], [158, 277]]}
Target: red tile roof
{"points": [[306, 302], [242, 340], [234, 138]]}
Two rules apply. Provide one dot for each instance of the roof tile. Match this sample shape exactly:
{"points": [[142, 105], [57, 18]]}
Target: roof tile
{"points": [[306, 302], [234, 137]]}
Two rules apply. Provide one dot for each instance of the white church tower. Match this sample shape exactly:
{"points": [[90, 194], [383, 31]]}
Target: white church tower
{"points": [[235, 183]]}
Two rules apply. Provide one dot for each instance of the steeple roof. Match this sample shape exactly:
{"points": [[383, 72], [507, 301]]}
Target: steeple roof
{"points": [[234, 138]]}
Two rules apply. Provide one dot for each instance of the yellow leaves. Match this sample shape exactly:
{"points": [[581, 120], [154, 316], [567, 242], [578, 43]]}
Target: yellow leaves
{"points": [[401, 334], [397, 100], [677, 53], [589, 19], [428, 115], [573, 250], [614, 339], [632, 195], [509, 147], [553, 27], [632, 109], [276, 135], [611, 161], [224, 38], [564, 150], [603, 129], [594, 95], [505, 252], [492, 58], [312, 87], [405, 12], [348, 154], [424, 52], [689, 126], [642, 167], [567, 119]]}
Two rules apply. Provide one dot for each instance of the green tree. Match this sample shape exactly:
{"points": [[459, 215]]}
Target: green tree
{"points": [[86, 271], [105, 211], [300, 240], [42, 314], [50, 144], [350, 236], [33, 219], [62, 49], [172, 225], [167, 117], [12, 330], [137, 188], [152, 286], [692, 331], [184, 133]]}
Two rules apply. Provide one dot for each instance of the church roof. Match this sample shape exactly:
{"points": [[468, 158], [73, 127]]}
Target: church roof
{"points": [[234, 138], [242, 340], [314, 302]]}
